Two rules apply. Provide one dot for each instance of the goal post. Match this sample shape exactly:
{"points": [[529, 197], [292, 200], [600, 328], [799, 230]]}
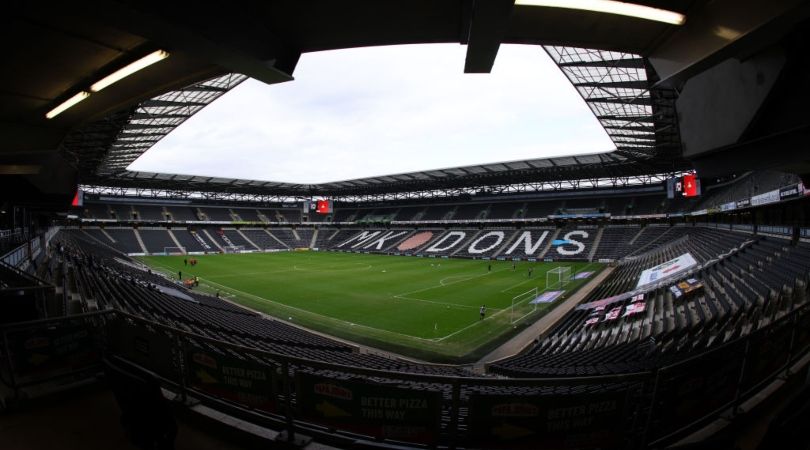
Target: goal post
{"points": [[233, 248], [558, 277], [523, 306], [174, 251]]}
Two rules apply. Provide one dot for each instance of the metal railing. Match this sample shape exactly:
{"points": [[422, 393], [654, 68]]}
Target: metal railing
{"points": [[342, 404]]}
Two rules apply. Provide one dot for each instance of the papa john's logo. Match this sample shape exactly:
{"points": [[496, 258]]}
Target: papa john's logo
{"points": [[333, 390]]}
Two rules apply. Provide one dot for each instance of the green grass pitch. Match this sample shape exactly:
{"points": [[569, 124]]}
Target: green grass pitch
{"points": [[426, 308]]}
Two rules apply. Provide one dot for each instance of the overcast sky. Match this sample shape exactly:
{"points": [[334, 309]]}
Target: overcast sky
{"points": [[384, 110]]}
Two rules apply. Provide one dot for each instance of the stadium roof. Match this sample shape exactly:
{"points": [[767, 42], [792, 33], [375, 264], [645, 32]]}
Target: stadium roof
{"points": [[632, 74], [595, 166], [638, 117]]}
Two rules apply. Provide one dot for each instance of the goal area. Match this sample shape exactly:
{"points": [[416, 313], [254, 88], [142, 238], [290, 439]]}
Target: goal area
{"points": [[558, 277], [174, 251], [233, 249]]}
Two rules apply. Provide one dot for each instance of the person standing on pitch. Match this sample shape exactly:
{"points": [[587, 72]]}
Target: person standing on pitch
{"points": [[531, 269], [489, 267], [483, 311]]}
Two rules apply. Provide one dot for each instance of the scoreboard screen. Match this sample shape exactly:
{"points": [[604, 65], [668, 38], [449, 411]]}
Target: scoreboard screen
{"points": [[691, 186], [685, 186], [78, 199], [324, 207]]}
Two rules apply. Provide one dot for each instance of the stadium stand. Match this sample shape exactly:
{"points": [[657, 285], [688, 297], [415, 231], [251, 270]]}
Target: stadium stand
{"points": [[121, 212], [438, 213], [182, 213], [500, 210], [246, 214], [236, 238], [189, 242], [748, 289], [149, 213], [471, 211], [114, 285], [124, 240], [542, 208], [156, 240], [484, 243], [616, 241], [288, 237], [263, 239], [217, 214], [617, 206], [646, 205], [406, 213], [97, 211], [286, 215], [574, 242]]}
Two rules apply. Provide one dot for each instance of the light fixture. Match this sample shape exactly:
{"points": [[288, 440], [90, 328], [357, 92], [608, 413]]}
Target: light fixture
{"points": [[67, 104], [128, 70], [612, 7]]}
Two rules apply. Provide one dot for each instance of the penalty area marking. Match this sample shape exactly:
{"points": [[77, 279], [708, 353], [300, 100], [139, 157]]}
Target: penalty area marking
{"points": [[449, 305], [466, 277], [448, 284]]}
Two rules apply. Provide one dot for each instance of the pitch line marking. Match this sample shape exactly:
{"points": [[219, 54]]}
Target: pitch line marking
{"points": [[448, 284], [452, 305], [349, 269], [231, 275], [466, 277], [318, 316], [470, 325]]}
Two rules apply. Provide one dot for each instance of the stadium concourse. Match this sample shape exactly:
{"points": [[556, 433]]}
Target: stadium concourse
{"points": [[670, 307]]}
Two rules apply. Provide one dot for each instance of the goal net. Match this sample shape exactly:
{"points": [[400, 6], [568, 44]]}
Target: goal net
{"points": [[233, 248], [522, 305], [174, 250], [558, 277]]}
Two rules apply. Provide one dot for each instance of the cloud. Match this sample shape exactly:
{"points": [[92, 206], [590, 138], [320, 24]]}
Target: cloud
{"points": [[375, 111]]}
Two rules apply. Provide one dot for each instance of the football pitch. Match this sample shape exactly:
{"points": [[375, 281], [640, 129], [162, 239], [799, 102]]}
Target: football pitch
{"points": [[427, 308]]}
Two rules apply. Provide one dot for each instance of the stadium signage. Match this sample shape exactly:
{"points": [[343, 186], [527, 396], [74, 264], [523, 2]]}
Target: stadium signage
{"points": [[45, 353], [790, 192], [455, 237], [728, 206], [521, 244], [547, 421], [498, 238], [529, 247], [239, 381], [383, 412], [766, 198], [580, 216], [666, 270], [744, 203]]}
